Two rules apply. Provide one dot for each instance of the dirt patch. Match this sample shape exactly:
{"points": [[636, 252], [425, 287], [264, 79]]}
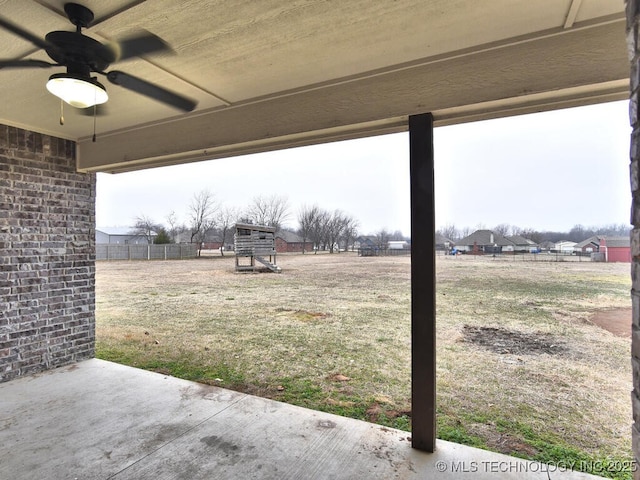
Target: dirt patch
{"points": [[338, 377], [503, 341], [303, 315], [503, 442], [617, 321], [374, 412], [306, 316]]}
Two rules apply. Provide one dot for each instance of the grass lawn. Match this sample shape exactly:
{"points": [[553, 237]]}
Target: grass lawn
{"points": [[521, 367]]}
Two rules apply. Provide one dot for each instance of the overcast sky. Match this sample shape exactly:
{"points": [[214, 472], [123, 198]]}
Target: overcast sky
{"points": [[548, 171]]}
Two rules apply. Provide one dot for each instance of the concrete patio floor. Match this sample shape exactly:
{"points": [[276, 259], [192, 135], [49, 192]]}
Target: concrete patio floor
{"points": [[101, 420]]}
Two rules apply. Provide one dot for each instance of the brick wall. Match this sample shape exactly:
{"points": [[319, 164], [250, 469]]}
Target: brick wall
{"points": [[292, 247], [47, 268], [633, 42]]}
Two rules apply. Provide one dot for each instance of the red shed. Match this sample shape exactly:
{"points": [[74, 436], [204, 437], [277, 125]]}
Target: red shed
{"points": [[287, 241], [616, 249]]}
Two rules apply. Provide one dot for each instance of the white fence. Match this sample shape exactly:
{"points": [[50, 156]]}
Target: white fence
{"points": [[145, 252]]}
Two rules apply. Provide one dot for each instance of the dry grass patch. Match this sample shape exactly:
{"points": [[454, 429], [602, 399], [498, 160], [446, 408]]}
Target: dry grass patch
{"points": [[521, 368]]}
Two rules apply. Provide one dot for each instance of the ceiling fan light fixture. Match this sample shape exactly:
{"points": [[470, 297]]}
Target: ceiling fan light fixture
{"points": [[77, 91]]}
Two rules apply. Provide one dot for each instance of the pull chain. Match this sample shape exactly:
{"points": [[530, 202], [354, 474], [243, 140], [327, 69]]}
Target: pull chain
{"points": [[61, 112], [95, 110], [95, 114]]}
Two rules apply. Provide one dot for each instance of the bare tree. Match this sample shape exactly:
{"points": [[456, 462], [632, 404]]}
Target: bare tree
{"points": [[202, 212], [226, 219], [503, 229], [579, 233], [326, 230], [449, 231], [382, 239], [615, 229], [532, 234], [396, 236], [145, 227], [319, 230], [350, 232], [334, 229], [272, 211], [172, 222], [306, 219]]}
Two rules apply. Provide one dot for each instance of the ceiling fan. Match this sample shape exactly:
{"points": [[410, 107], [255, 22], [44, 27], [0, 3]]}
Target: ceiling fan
{"points": [[82, 56]]}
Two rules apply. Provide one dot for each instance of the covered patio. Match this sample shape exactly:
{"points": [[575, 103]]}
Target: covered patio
{"points": [[255, 76], [100, 420]]}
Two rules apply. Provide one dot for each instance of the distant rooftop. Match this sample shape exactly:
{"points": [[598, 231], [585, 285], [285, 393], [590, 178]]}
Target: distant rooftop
{"points": [[485, 237], [618, 241], [115, 230]]}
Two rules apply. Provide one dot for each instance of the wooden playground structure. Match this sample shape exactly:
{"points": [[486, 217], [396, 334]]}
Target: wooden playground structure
{"points": [[256, 243]]}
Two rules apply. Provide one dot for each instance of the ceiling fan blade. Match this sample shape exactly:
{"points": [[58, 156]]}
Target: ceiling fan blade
{"points": [[21, 32], [138, 45], [143, 87], [26, 64]]}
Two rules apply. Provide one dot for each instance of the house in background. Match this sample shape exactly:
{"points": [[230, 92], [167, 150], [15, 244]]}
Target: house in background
{"points": [[523, 244], [213, 241], [120, 235], [443, 243], [616, 249], [564, 246], [366, 241], [547, 246], [398, 245], [288, 242], [485, 241], [590, 245]]}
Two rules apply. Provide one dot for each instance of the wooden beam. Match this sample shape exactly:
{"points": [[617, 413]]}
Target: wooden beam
{"points": [[423, 284], [572, 14]]}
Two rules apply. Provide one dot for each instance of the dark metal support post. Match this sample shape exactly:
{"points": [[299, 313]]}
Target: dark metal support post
{"points": [[423, 284]]}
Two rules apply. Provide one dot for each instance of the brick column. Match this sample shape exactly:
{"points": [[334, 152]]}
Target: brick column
{"points": [[633, 43], [47, 254]]}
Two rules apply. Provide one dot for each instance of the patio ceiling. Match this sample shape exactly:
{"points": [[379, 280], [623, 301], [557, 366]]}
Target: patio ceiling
{"points": [[277, 73]]}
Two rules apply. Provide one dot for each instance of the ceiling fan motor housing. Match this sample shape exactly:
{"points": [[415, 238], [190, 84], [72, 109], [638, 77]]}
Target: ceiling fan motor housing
{"points": [[76, 48]]}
